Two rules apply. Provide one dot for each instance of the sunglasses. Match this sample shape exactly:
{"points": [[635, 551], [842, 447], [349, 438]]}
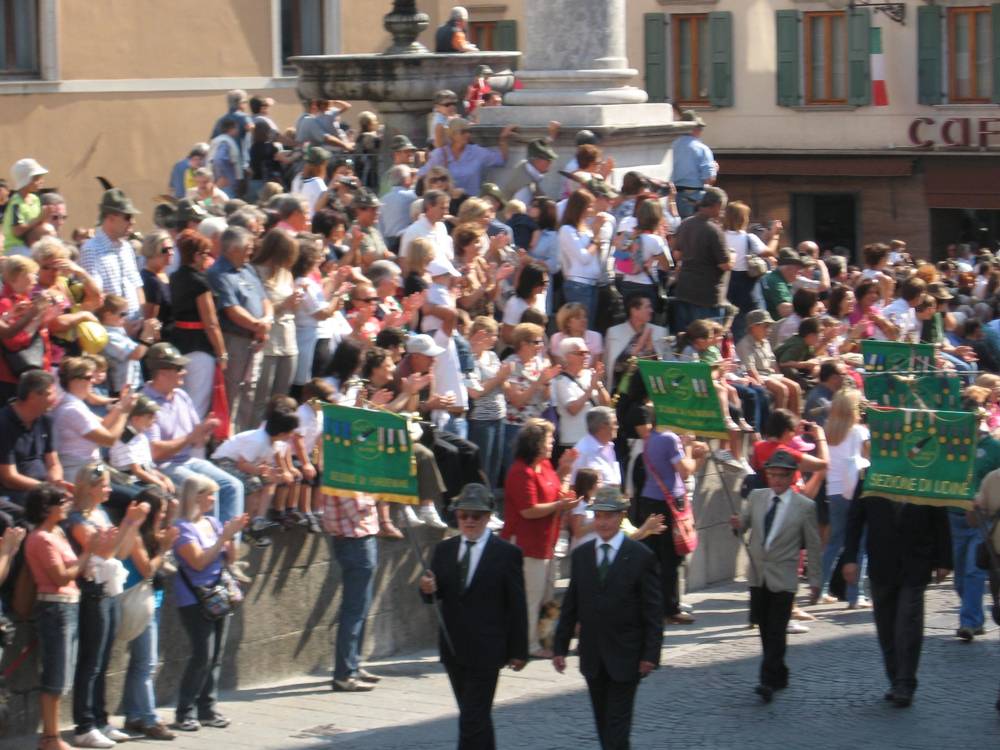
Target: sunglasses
{"points": [[581, 353], [463, 515], [59, 217], [366, 299], [537, 342], [166, 249], [437, 179], [98, 471]]}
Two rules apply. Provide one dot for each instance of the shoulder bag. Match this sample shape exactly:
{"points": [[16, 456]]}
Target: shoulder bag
{"points": [[31, 357], [216, 600], [682, 528], [137, 605], [756, 265]]}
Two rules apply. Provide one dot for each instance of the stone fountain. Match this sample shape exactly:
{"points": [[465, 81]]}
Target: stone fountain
{"points": [[403, 79]]}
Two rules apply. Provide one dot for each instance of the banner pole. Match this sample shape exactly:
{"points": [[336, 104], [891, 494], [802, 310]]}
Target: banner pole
{"points": [[435, 602]]}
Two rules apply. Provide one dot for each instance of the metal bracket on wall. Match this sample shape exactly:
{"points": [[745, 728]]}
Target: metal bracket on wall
{"points": [[894, 11]]}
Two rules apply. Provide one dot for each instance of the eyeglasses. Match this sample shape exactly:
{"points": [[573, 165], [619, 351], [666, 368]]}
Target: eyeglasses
{"points": [[464, 515], [581, 352], [127, 217], [366, 299], [433, 180], [166, 249], [85, 377], [59, 217], [98, 471], [538, 342]]}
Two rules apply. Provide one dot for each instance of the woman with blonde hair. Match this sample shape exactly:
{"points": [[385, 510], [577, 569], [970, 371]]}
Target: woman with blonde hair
{"points": [[743, 244], [158, 251], [56, 269], [571, 322], [202, 548], [848, 446], [273, 264], [421, 254]]}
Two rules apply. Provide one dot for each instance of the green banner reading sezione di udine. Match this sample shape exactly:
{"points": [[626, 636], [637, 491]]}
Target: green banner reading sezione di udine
{"points": [[367, 452], [684, 397], [923, 457]]}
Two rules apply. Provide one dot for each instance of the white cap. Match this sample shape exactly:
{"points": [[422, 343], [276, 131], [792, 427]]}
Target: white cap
{"points": [[24, 171], [572, 344], [421, 343], [441, 267]]}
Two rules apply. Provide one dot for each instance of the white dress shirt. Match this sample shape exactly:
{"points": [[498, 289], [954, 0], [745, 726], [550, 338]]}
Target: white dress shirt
{"points": [[779, 515], [600, 458], [616, 544], [476, 551]]}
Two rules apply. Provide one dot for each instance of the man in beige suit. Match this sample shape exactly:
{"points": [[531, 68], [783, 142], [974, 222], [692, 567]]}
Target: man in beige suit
{"points": [[783, 522]]}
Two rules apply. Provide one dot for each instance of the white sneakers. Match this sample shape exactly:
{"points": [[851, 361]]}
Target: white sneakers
{"points": [[410, 517], [116, 735], [797, 627], [429, 515], [93, 738]]}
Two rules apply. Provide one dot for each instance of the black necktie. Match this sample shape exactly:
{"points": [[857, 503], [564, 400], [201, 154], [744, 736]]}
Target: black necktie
{"points": [[464, 562], [769, 518], [605, 565]]}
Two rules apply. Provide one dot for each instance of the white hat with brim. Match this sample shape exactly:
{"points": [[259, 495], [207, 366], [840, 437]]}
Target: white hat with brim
{"points": [[442, 267], [422, 343], [24, 171]]}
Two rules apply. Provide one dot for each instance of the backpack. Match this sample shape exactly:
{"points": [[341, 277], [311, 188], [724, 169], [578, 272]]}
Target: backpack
{"points": [[628, 259]]}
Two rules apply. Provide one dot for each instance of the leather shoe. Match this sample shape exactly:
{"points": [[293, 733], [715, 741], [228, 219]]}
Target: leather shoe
{"points": [[365, 676], [681, 618], [889, 695], [902, 699], [766, 692], [352, 685]]}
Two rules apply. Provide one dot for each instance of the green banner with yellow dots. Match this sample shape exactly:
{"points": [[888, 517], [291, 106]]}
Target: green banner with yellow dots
{"points": [[897, 356], [923, 457], [367, 452], [926, 392], [684, 397]]}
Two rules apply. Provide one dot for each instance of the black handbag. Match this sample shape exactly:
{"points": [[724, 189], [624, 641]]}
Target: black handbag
{"points": [[31, 357], [219, 599]]}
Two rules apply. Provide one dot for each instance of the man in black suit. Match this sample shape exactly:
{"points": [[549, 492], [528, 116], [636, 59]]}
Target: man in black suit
{"points": [[479, 579], [614, 594], [907, 543]]}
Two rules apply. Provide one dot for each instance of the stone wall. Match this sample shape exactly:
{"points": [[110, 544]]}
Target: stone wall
{"points": [[285, 627]]}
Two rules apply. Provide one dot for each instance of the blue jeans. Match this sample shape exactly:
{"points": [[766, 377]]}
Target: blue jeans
{"points": [[585, 294], [200, 682], [98, 622], [457, 426], [687, 202], [970, 580], [510, 431], [230, 502], [357, 557], [57, 628], [686, 313], [756, 404], [839, 508], [487, 434], [139, 693]]}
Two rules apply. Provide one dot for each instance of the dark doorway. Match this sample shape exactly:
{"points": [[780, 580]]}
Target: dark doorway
{"points": [[969, 226], [828, 219]]}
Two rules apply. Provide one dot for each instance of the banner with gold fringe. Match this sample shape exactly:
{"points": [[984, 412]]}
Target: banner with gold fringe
{"points": [[367, 451], [923, 457]]}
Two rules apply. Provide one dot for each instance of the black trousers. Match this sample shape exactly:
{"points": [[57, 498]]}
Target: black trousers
{"points": [[458, 460], [662, 546], [474, 689], [772, 610], [899, 621], [612, 703]]}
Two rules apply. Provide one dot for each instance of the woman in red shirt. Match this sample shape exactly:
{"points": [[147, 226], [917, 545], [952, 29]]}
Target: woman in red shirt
{"points": [[534, 498], [787, 432]]}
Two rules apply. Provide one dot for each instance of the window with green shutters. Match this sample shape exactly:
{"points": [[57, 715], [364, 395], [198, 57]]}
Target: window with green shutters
{"points": [[688, 58], [823, 57], [494, 35], [958, 54]]}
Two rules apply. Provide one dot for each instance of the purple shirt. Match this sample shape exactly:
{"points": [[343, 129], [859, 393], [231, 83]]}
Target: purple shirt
{"points": [[191, 532], [468, 170], [177, 417], [662, 452]]}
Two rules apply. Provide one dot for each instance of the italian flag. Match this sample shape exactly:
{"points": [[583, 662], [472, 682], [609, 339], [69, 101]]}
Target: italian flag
{"points": [[880, 94]]}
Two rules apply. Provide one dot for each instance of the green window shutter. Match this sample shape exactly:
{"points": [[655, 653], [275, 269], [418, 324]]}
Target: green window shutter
{"points": [[655, 33], [996, 52], [929, 54], [505, 36], [859, 57], [720, 34], [789, 57]]}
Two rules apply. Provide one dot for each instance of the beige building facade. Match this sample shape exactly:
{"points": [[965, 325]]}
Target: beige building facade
{"points": [[123, 89]]}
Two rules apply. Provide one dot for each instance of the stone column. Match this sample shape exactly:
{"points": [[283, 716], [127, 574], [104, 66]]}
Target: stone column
{"points": [[574, 53]]}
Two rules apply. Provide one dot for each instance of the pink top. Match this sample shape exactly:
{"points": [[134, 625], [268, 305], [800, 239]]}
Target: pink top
{"points": [[42, 549], [855, 317], [592, 338]]}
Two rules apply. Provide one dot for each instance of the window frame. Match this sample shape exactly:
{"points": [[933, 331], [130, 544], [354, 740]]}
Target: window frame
{"points": [[808, 18], [296, 29], [13, 73], [700, 25], [950, 53], [483, 34]]}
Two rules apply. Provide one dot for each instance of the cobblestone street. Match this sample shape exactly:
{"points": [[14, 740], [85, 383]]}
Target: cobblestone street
{"points": [[701, 698]]}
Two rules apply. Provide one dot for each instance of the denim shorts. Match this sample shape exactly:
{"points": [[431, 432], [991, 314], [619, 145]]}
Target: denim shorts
{"points": [[250, 482], [57, 626]]}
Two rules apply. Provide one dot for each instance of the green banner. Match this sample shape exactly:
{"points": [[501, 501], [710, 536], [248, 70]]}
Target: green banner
{"points": [[923, 457], [897, 356], [366, 451], [924, 392], [684, 397]]}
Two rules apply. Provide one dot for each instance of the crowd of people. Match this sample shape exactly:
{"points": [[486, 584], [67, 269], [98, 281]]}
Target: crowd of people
{"points": [[162, 388]]}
